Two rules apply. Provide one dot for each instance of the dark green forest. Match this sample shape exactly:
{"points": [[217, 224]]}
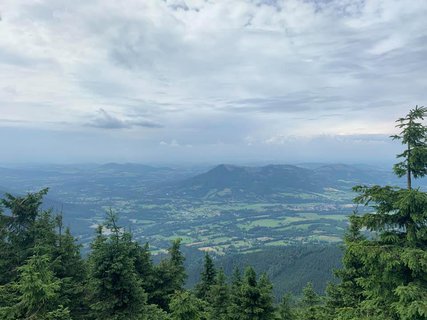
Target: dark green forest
{"points": [[43, 274]]}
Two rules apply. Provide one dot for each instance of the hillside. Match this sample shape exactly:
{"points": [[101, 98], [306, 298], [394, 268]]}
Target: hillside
{"points": [[288, 267], [231, 182]]}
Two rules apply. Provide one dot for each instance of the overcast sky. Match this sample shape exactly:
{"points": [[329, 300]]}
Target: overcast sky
{"points": [[208, 80]]}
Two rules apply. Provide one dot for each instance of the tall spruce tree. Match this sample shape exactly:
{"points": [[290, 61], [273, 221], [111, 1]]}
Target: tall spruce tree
{"points": [[116, 289], [255, 301], [37, 289], [207, 278], [185, 306], [169, 277], [309, 303], [343, 299], [235, 295], [286, 311], [393, 281], [414, 136], [28, 232], [18, 231], [219, 298], [266, 300]]}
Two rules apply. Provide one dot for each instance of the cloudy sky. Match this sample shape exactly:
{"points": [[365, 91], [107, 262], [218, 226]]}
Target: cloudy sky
{"points": [[208, 80]]}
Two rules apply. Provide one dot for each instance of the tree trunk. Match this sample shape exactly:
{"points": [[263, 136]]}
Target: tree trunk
{"points": [[408, 175]]}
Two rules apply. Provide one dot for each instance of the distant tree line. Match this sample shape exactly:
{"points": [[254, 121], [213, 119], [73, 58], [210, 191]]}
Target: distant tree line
{"points": [[384, 273]]}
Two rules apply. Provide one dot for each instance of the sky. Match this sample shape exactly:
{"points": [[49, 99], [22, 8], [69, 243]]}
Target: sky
{"points": [[208, 81]]}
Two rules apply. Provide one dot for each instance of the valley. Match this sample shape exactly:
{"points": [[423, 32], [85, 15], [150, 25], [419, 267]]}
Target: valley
{"points": [[224, 209]]}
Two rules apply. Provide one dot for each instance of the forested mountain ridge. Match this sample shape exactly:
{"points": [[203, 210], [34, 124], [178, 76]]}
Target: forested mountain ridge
{"points": [[240, 182]]}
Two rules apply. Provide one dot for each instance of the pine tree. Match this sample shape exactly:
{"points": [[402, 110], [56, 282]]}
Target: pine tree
{"points": [[207, 278], [219, 298]]}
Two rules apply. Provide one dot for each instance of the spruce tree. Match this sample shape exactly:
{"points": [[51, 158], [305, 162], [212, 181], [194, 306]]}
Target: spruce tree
{"points": [[219, 298], [207, 278], [286, 311], [116, 289], [309, 303], [344, 298], [37, 288], [255, 302], [169, 277], [413, 135], [185, 306], [391, 278], [18, 231], [266, 300], [235, 295], [69, 266]]}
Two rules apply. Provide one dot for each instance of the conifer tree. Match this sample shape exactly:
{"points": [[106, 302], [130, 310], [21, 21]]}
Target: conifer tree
{"points": [[38, 289], [254, 301], [310, 302], [286, 311], [266, 300], [144, 265], [235, 295], [69, 266], [391, 282], [116, 290], [344, 298], [413, 136], [18, 231], [185, 306], [169, 277], [207, 278], [177, 264], [219, 298]]}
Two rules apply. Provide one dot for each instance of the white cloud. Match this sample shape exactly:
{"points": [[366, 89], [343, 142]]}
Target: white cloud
{"points": [[207, 72]]}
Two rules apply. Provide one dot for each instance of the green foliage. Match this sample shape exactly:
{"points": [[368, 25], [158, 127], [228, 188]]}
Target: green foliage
{"points": [[185, 306], [116, 290], [153, 312], [385, 276], [413, 135], [169, 277], [235, 295], [59, 314], [18, 231], [207, 278], [310, 303], [254, 300], [286, 311], [219, 298]]}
